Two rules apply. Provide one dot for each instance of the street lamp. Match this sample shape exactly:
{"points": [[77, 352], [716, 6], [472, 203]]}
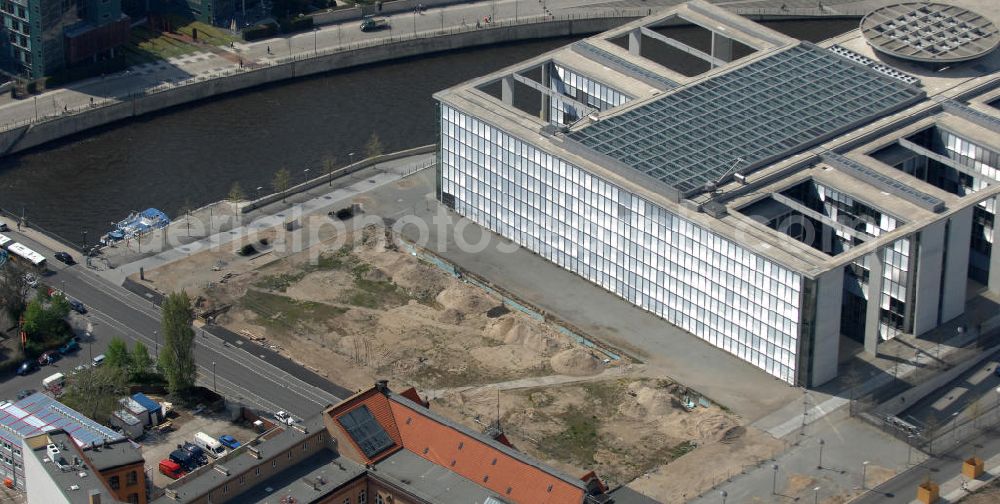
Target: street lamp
{"points": [[724, 495], [214, 388], [36, 109], [156, 340], [259, 188], [350, 158], [864, 474], [954, 426], [909, 448], [820, 464], [774, 481], [315, 47], [816, 495], [306, 174]]}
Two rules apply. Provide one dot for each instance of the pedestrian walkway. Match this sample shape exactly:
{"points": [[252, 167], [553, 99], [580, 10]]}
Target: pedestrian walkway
{"points": [[224, 228]]}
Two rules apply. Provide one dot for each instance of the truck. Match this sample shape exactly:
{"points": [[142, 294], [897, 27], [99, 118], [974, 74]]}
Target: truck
{"points": [[171, 469], [373, 23], [211, 445], [196, 452], [55, 381], [184, 459]]}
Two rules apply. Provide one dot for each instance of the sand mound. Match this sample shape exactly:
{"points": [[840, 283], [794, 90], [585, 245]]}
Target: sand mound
{"points": [[713, 427], [506, 357], [576, 362], [420, 280], [529, 336], [645, 402], [498, 328], [466, 298], [450, 316]]}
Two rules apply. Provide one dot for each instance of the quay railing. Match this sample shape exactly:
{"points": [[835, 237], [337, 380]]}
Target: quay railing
{"points": [[248, 67]]}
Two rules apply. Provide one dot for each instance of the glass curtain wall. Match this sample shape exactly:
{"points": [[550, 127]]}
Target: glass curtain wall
{"points": [[712, 287]]}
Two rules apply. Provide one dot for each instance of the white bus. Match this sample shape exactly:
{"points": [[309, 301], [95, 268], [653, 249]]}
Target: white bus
{"points": [[26, 255], [5, 241]]}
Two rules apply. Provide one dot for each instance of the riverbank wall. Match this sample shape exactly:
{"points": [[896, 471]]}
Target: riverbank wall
{"points": [[34, 134]]}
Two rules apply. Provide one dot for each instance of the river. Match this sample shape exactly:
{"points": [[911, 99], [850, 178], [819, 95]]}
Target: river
{"points": [[192, 155]]}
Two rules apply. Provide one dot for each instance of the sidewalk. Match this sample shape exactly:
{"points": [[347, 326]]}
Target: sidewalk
{"points": [[217, 225]]}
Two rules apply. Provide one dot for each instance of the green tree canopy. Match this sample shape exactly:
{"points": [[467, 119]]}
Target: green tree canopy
{"points": [[95, 392], [117, 355], [177, 355], [142, 363]]}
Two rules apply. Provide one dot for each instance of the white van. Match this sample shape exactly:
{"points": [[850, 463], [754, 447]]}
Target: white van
{"points": [[211, 445], [97, 361], [56, 380]]}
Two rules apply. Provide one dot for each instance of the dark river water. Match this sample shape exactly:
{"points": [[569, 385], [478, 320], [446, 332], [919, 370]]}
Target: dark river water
{"points": [[191, 155]]}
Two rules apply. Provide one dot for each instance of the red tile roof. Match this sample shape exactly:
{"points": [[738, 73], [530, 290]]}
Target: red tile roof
{"points": [[511, 477], [487, 463], [378, 404]]}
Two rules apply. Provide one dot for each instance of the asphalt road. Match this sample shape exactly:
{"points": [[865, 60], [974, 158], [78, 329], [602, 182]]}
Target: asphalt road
{"points": [[112, 311]]}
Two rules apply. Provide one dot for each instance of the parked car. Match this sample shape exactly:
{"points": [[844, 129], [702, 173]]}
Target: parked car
{"points": [[70, 347], [79, 369], [25, 393], [284, 418], [77, 306], [64, 257], [97, 361], [229, 441], [27, 367], [3, 226], [171, 469], [48, 357]]}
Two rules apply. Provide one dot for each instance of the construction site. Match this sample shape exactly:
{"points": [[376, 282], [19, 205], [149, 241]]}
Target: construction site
{"points": [[358, 303]]}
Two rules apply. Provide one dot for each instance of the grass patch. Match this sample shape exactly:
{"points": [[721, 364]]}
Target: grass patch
{"points": [[369, 293], [148, 45], [578, 441], [605, 393], [279, 283], [282, 312], [682, 449]]}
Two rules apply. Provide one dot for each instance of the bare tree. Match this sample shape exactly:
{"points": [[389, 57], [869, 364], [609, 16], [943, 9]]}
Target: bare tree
{"points": [[14, 289], [281, 182], [329, 166]]}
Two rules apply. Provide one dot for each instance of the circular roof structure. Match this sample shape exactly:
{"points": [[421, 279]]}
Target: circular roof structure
{"points": [[930, 32]]}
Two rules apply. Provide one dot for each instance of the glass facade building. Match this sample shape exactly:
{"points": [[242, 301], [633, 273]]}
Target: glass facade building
{"points": [[710, 286]]}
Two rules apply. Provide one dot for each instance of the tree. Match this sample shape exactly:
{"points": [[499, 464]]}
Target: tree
{"points": [[46, 317], [142, 363], [14, 291], [330, 165], [186, 212], [236, 195], [177, 356], [281, 181], [374, 146], [117, 355], [95, 392]]}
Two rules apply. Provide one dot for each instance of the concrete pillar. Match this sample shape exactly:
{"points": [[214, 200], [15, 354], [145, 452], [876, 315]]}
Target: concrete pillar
{"points": [[826, 327], [956, 264], [507, 90], [927, 287], [546, 111], [994, 280], [722, 47], [635, 42], [872, 315]]}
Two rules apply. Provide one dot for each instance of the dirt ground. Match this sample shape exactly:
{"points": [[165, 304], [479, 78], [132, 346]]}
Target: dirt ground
{"points": [[358, 307]]}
